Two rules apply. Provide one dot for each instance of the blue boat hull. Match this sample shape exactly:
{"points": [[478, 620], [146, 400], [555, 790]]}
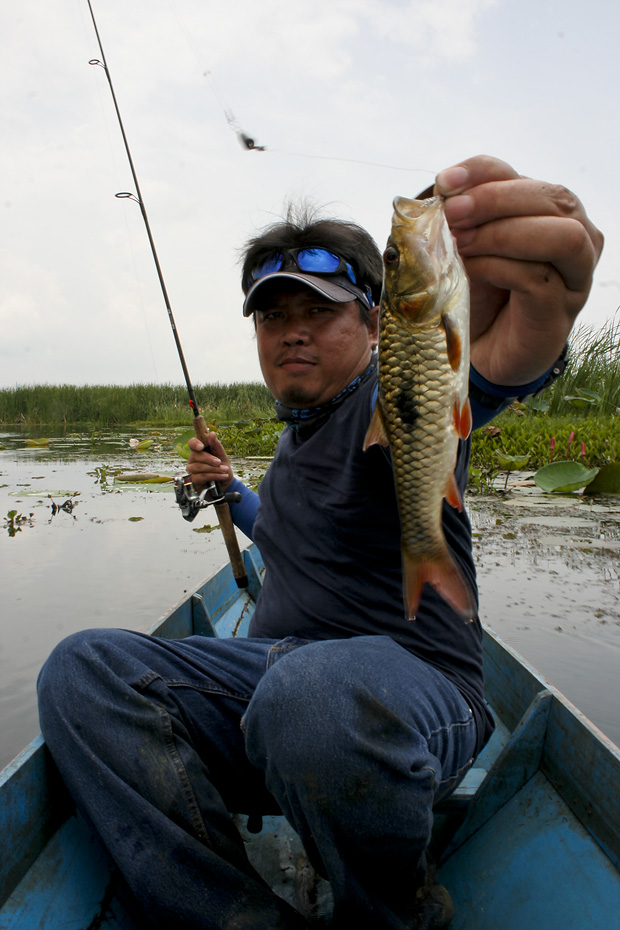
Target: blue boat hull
{"points": [[531, 838]]}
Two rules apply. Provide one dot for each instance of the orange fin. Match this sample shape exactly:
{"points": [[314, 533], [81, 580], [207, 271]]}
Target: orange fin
{"points": [[445, 576], [465, 420], [376, 431], [454, 345], [453, 494], [462, 419]]}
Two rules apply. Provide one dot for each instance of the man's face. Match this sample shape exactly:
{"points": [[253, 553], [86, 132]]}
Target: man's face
{"points": [[310, 348]]}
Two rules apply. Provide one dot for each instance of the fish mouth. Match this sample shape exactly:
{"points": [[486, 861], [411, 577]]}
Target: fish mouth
{"points": [[409, 210]]}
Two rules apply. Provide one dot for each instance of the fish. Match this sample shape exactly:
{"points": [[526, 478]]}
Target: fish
{"points": [[422, 408]]}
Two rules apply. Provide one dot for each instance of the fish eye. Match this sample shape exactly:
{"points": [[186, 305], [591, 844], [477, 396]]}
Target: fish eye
{"points": [[391, 256]]}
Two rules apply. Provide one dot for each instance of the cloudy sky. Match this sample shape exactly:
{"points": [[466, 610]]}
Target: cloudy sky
{"points": [[356, 101]]}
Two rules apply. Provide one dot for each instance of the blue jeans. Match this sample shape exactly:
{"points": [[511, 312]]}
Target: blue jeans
{"points": [[158, 740]]}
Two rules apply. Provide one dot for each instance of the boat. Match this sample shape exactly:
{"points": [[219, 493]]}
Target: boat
{"points": [[530, 838]]}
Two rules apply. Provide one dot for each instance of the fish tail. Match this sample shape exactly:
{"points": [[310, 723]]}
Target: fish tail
{"points": [[443, 573]]}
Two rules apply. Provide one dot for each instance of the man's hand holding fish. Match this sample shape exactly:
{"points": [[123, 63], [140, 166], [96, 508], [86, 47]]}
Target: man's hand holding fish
{"points": [[530, 250]]}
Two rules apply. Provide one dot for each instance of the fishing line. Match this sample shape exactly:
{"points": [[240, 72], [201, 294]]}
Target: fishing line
{"points": [[352, 161], [246, 140]]}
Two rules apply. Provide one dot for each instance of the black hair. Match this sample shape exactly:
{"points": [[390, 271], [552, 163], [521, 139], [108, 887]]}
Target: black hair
{"points": [[302, 228]]}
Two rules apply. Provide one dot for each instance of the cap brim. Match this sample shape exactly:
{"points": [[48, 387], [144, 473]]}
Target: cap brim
{"points": [[338, 288]]}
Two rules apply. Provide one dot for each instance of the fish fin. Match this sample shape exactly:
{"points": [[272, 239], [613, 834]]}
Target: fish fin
{"points": [[463, 419], [445, 576], [454, 344], [453, 494], [376, 431]]}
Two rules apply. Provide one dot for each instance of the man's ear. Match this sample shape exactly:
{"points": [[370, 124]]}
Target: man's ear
{"points": [[373, 326]]}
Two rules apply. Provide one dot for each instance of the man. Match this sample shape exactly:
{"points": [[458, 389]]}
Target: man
{"points": [[335, 710]]}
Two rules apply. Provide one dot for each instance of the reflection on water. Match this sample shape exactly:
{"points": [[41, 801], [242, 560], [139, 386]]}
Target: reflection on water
{"points": [[121, 555]]}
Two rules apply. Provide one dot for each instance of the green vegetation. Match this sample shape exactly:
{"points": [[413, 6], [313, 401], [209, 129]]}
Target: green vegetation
{"points": [[591, 382], [576, 419], [111, 405], [546, 438], [255, 438]]}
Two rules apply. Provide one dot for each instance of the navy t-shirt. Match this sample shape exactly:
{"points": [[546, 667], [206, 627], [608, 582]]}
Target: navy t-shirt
{"points": [[329, 533]]}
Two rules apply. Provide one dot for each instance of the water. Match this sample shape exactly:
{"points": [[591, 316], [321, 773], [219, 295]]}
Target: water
{"points": [[549, 576], [548, 567]]}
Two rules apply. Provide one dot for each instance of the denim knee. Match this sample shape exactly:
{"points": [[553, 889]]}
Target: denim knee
{"points": [[319, 710], [69, 666]]}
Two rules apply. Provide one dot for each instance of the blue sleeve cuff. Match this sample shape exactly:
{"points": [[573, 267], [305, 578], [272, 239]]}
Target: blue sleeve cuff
{"points": [[481, 412], [501, 390], [244, 513]]}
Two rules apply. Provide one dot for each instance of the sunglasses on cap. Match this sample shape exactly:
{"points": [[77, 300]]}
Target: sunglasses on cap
{"points": [[310, 261]]}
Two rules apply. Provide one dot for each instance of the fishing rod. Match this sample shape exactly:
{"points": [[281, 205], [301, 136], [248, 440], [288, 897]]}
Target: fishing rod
{"points": [[189, 499]]}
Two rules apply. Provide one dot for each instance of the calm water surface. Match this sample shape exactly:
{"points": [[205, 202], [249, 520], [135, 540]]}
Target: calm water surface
{"points": [[549, 567]]}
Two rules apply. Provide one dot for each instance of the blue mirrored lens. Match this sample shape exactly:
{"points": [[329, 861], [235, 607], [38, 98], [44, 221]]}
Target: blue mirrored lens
{"points": [[323, 262], [269, 266], [318, 260], [351, 274]]}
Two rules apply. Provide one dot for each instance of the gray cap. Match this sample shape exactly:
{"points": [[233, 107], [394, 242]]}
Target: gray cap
{"points": [[338, 288]]}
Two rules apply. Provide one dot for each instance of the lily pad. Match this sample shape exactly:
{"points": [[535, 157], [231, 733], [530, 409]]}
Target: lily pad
{"points": [[180, 443], [580, 403], [143, 477], [607, 481], [563, 477], [539, 403], [37, 442], [145, 444], [511, 462]]}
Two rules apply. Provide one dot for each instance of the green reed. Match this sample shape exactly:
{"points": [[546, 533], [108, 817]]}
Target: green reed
{"points": [[109, 405], [579, 415], [594, 367]]}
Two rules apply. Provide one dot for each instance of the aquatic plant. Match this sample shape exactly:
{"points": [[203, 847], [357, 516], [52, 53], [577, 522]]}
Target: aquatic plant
{"points": [[563, 477], [14, 520], [510, 463], [239, 437], [607, 481], [544, 439]]}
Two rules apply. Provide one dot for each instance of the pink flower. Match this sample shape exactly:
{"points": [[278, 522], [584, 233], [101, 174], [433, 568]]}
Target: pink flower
{"points": [[552, 446], [583, 449]]}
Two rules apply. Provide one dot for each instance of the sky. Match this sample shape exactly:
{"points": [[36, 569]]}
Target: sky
{"points": [[356, 102]]}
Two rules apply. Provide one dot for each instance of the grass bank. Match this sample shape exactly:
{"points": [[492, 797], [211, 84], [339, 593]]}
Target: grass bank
{"points": [[111, 405]]}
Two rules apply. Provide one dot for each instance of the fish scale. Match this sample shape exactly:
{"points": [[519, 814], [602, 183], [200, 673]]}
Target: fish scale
{"points": [[412, 465], [422, 408]]}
